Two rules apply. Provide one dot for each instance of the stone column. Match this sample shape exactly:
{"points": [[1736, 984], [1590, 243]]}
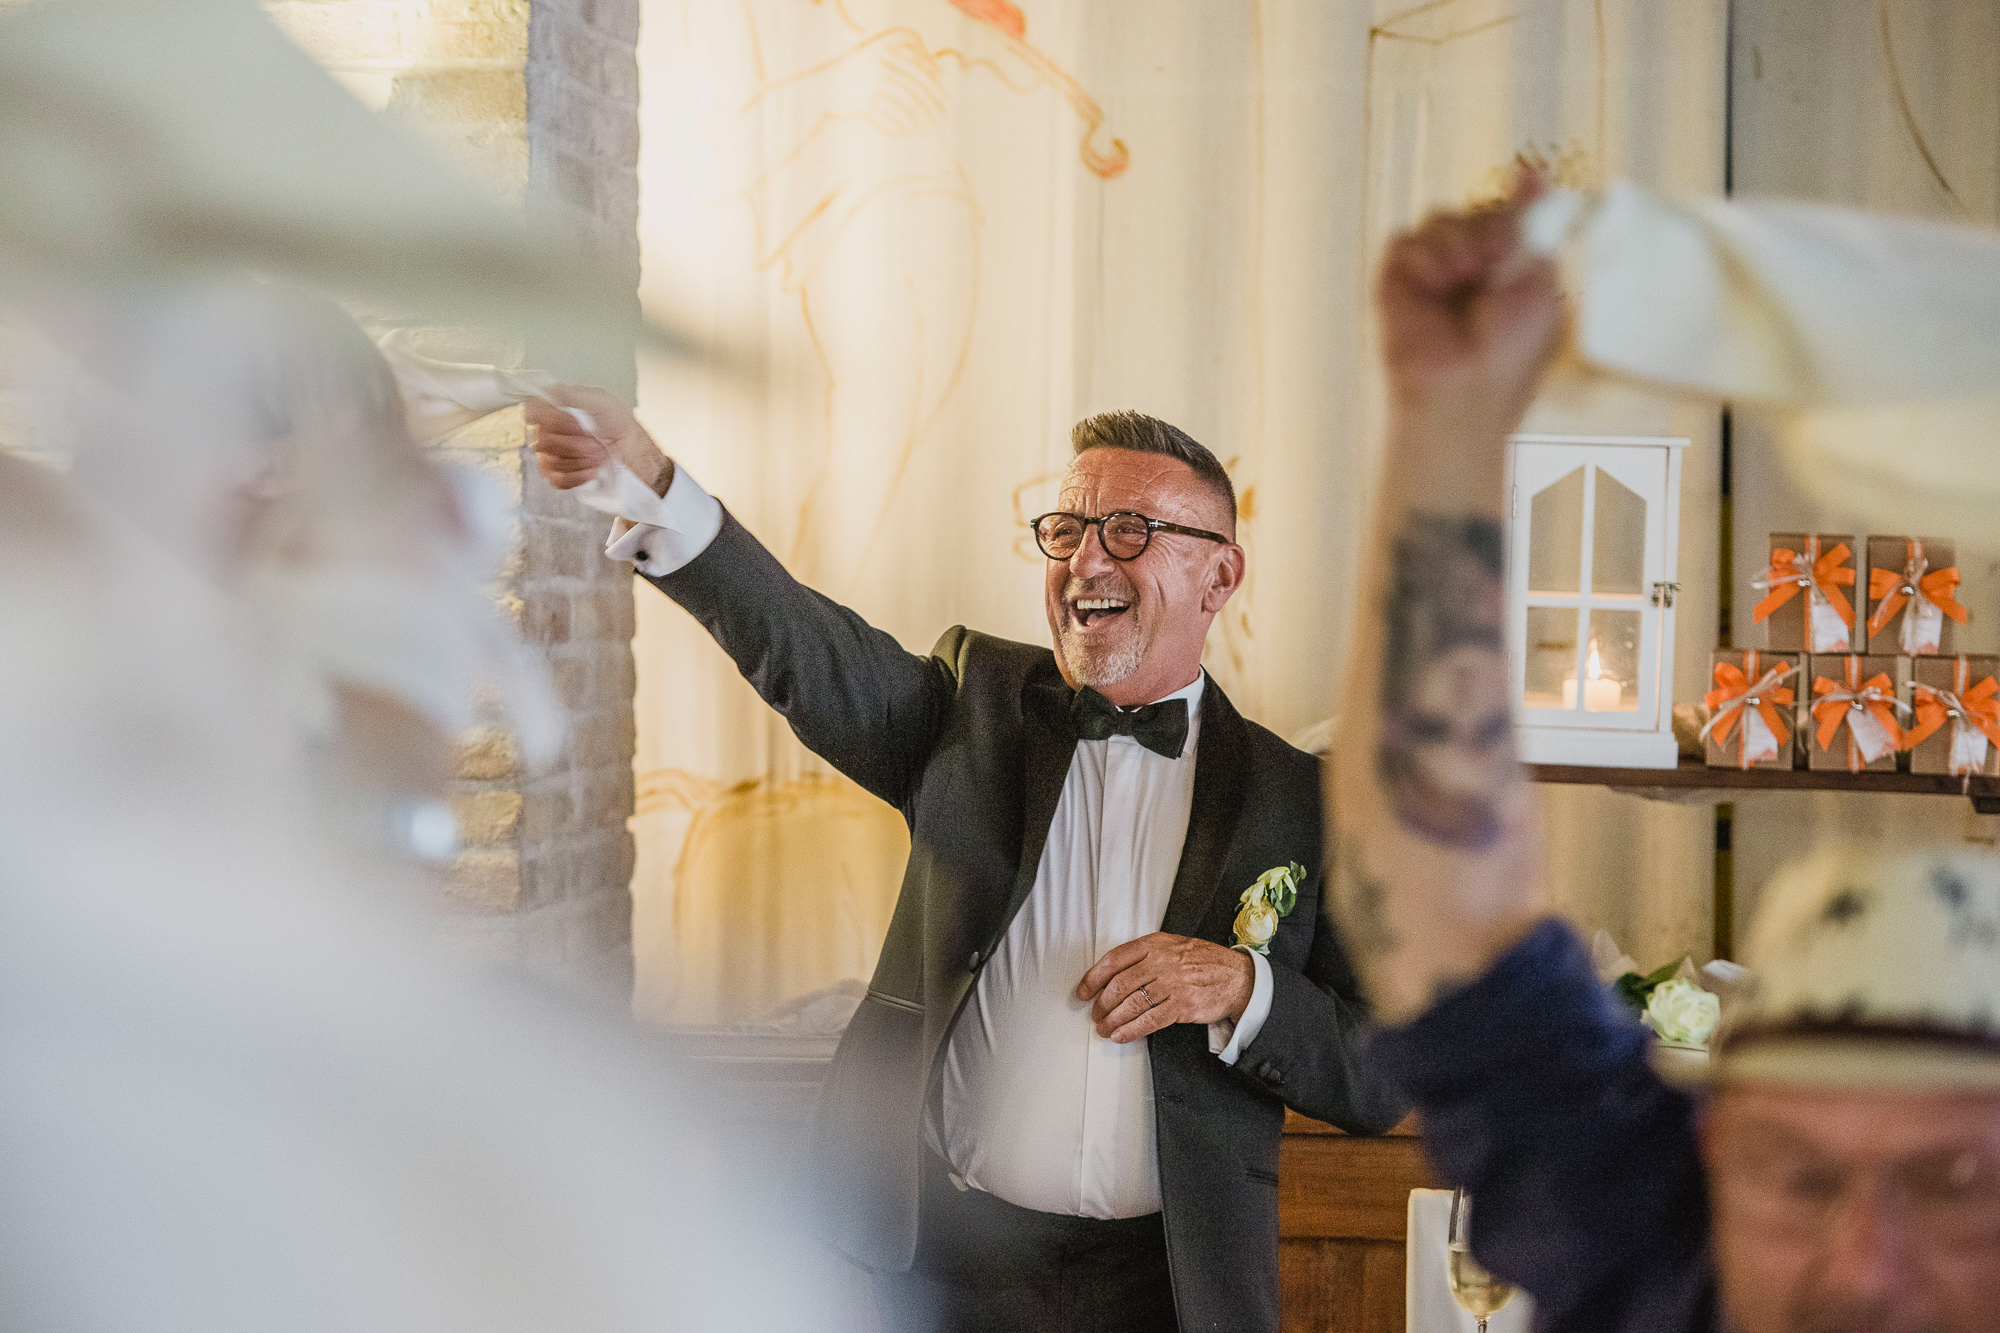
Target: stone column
{"points": [[540, 99]]}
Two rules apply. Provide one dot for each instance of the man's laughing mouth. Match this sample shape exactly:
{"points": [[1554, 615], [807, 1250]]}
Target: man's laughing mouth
{"points": [[1086, 612]]}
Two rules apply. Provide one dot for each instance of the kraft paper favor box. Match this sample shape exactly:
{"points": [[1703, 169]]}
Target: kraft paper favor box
{"points": [[1938, 741], [1752, 699], [1811, 583], [1912, 607], [1840, 736]]}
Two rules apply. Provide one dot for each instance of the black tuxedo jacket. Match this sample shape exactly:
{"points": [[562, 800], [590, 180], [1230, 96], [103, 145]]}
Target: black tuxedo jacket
{"points": [[972, 744]]}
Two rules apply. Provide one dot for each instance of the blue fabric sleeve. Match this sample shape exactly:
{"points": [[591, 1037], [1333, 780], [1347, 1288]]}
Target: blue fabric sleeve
{"points": [[1537, 1095]]}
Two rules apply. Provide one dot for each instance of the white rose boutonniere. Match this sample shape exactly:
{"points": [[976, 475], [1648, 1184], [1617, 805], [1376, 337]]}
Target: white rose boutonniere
{"points": [[1683, 1012], [1265, 903]]}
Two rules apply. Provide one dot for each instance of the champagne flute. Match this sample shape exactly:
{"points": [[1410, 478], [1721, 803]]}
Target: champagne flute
{"points": [[1477, 1291]]}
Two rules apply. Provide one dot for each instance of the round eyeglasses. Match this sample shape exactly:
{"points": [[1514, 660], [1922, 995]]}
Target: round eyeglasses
{"points": [[1124, 533]]}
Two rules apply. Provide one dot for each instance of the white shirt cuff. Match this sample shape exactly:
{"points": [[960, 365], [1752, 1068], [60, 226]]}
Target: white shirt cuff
{"points": [[1226, 1039], [658, 534]]}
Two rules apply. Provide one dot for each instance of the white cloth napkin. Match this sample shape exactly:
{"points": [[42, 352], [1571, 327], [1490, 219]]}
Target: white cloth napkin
{"points": [[441, 396], [1869, 341], [1428, 1305]]}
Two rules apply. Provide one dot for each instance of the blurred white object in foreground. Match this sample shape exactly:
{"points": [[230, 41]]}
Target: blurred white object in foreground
{"points": [[256, 435], [154, 140], [241, 1094], [1872, 341], [439, 397]]}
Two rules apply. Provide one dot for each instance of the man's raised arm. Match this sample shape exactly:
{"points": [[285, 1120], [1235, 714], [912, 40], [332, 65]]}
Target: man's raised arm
{"points": [[851, 692], [1435, 855]]}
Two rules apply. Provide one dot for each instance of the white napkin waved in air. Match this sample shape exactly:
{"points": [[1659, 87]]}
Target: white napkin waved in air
{"points": [[1870, 342], [440, 397]]}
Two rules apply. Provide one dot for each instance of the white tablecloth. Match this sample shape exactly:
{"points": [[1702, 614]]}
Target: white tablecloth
{"points": [[1428, 1303]]}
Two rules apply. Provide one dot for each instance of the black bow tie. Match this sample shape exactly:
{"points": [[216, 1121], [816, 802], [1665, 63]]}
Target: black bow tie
{"points": [[1161, 727]]}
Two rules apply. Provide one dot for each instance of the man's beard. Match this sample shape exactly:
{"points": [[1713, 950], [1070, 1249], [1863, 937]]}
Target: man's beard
{"points": [[1093, 664]]}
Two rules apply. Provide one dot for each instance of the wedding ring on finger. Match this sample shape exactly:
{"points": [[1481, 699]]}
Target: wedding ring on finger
{"points": [[1150, 1001]]}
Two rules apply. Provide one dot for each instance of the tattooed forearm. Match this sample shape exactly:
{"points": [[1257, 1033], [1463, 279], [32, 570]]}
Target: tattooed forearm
{"points": [[1360, 906], [1443, 868], [1359, 903], [1445, 753]]}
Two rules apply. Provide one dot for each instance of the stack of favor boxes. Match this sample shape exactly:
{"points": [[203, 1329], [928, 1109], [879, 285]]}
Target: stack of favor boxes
{"points": [[1863, 672]]}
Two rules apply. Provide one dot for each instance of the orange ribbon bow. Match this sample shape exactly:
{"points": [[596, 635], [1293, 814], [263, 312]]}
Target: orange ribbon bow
{"points": [[1736, 690], [1838, 703], [1889, 590], [1976, 706], [1789, 572]]}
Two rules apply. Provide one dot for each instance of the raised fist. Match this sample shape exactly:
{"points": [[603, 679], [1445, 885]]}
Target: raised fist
{"points": [[1469, 319]]}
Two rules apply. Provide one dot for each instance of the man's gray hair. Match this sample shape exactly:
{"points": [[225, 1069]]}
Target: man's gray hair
{"points": [[1127, 429]]}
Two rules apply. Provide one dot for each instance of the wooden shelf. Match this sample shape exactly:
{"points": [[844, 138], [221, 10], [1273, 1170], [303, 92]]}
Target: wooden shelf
{"points": [[1693, 775]]}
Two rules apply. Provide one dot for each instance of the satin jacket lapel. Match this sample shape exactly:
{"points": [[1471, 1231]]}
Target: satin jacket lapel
{"points": [[1218, 801], [1048, 746]]}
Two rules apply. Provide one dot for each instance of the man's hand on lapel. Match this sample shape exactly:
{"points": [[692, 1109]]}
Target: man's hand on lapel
{"points": [[1158, 979]]}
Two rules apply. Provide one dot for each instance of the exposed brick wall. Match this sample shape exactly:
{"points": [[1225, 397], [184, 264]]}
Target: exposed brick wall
{"points": [[540, 99], [582, 81], [583, 130]]}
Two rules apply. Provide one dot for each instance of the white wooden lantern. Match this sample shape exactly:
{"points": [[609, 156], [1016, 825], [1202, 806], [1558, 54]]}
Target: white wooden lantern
{"points": [[1590, 583]]}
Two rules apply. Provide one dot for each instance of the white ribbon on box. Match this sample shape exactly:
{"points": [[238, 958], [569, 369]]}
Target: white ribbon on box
{"points": [[1923, 620], [1829, 631], [1758, 740], [1826, 630], [1968, 738], [1923, 625], [1871, 738], [1968, 748]]}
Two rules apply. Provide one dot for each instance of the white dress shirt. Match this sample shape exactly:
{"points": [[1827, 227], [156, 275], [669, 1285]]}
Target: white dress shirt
{"points": [[1038, 1109], [658, 534]]}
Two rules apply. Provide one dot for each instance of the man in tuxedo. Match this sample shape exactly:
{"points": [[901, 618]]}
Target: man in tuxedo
{"points": [[1059, 1104]]}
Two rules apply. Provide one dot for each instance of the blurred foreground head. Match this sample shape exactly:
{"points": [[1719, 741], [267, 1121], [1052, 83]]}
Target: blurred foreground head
{"points": [[254, 432], [242, 1091], [1853, 1142]]}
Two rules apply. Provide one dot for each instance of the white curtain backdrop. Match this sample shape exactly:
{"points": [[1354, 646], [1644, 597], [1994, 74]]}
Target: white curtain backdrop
{"points": [[903, 219]]}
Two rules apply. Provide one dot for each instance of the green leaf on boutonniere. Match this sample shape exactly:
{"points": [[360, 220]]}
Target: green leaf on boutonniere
{"points": [[1635, 990]]}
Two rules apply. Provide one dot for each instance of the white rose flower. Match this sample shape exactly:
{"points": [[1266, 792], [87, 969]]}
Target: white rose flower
{"points": [[1683, 1012], [1270, 879], [1255, 925]]}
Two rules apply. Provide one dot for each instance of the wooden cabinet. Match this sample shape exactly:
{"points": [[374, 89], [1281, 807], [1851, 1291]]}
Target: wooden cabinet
{"points": [[1343, 1204]]}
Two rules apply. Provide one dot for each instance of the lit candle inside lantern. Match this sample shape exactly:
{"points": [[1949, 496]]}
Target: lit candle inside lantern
{"points": [[1601, 693]]}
